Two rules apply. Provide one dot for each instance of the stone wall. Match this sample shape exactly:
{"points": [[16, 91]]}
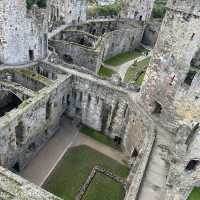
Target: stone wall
{"points": [[24, 130], [24, 33], [151, 32], [78, 54], [67, 12], [14, 187], [121, 41], [116, 37], [99, 27], [170, 63], [137, 10]]}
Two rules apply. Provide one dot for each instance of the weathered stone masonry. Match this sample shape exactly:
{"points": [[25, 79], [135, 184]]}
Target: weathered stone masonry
{"points": [[23, 33], [177, 44], [95, 103], [110, 38]]}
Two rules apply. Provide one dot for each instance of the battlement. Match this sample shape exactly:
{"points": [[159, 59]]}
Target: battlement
{"points": [[187, 6]]}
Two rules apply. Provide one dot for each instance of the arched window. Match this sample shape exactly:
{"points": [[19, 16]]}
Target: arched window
{"points": [[19, 132]]}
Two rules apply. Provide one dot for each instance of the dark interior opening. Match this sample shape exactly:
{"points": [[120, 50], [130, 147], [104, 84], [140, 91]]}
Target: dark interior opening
{"points": [[140, 18], [32, 147], [82, 41], [118, 140], [158, 108], [134, 153], [192, 37], [78, 111], [19, 132], [68, 99], [16, 167], [31, 55], [189, 78], [8, 101], [48, 110], [94, 31], [103, 31], [68, 59], [192, 165]]}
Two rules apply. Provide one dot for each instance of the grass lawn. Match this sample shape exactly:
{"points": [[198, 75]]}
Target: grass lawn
{"points": [[75, 167], [132, 71], [100, 137], [124, 57], [140, 79], [105, 72], [195, 194], [101, 188]]}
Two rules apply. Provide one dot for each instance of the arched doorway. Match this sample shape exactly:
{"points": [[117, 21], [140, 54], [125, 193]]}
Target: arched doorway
{"points": [[8, 101], [68, 58]]}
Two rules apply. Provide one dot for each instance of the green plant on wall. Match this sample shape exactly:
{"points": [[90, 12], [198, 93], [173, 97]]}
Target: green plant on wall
{"points": [[40, 3]]}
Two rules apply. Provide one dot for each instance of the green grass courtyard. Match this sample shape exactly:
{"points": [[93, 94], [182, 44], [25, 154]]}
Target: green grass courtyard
{"points": [[72, 171], [124, 57], [195, 194], [133, 71], [105, 72], [100, 137]]}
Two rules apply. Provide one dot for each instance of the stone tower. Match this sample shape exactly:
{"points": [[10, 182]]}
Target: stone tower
{"points": [[177, 43], [137, 9], [23, 32]]}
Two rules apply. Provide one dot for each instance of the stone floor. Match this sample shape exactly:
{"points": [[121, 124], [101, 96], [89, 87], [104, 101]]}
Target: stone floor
{"points": [[155, 178], [43, 164]]}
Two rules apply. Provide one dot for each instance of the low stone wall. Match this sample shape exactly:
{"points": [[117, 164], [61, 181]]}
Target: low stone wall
{"points": [[15, 187], [105, 172], [117, 36]]}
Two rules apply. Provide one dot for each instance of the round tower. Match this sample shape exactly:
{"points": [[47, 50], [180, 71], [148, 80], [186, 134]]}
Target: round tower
{"points": [[23, 33], [177, 43]]}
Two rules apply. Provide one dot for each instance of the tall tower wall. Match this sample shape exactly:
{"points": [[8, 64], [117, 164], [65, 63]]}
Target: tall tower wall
{"points": [[24, 33], [177, 43]]}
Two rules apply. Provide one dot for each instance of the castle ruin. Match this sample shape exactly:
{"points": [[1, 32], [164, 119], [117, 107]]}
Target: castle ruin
{"points": [[157, 126]]}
